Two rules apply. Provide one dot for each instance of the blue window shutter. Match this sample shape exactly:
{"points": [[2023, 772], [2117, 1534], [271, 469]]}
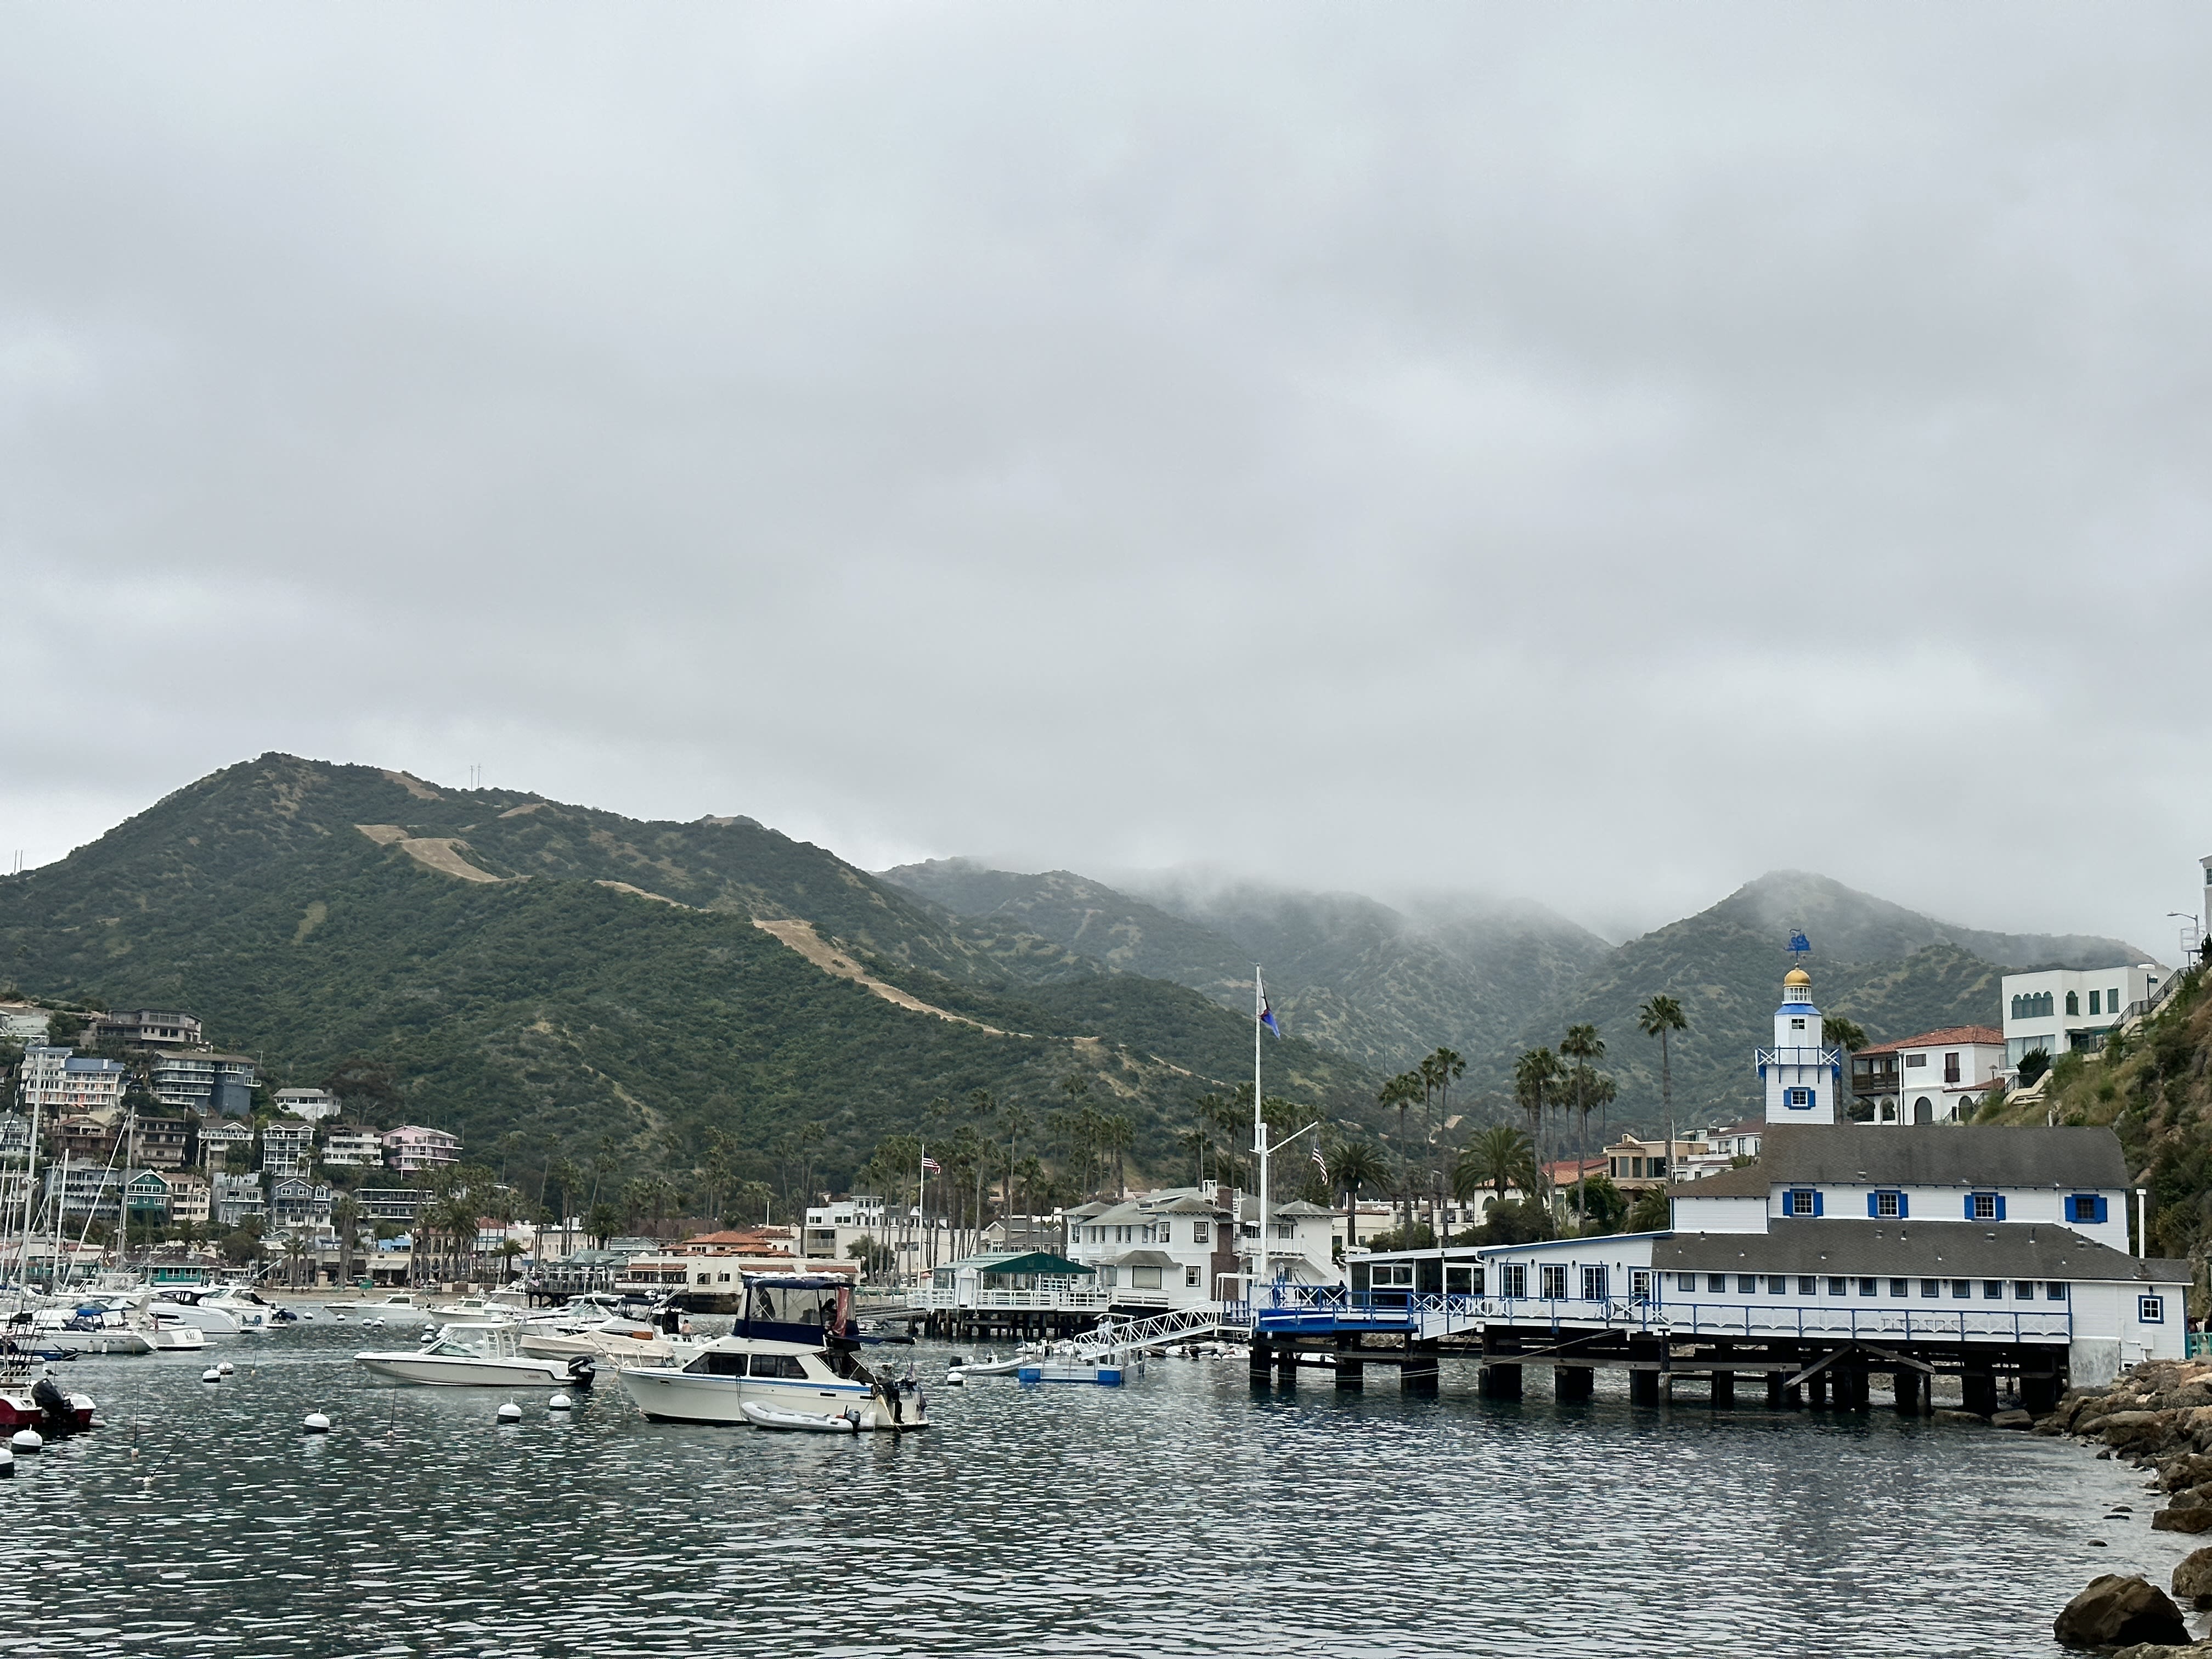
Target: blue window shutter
{"points": [[2000, 1206], [2101, 1210], [1904, 1208], [1970, 1207], [1871, 1209], [1812, 1097], [1817, 1204], [1789, 1202]]}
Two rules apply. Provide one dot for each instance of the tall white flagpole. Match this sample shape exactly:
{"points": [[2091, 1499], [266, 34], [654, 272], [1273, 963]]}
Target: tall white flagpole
{"points": [[922, 1209], [1258, 1140]]}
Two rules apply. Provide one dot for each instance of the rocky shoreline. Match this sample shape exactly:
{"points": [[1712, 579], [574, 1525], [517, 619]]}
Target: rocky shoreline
{"points": [[2157, 1417]]}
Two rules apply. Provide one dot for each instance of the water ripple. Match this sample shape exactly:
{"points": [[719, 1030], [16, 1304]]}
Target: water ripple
{"points": [[1184, 1515]]}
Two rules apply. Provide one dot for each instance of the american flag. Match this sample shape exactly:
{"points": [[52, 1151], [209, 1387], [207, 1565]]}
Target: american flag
{"points": [[931, 1166], [1323, 1162]]}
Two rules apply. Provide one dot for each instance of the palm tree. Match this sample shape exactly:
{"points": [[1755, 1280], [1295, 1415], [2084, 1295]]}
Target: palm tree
{"points": [[1357, 1164], [1581, 1044], [1401, 1092], [1536, 1075], [1837, 1032], [345, 1221], [1657, 1018], [1499, 1157]]}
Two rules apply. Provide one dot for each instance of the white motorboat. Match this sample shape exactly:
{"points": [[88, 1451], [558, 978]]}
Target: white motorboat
{"points": [[474, 1311], [476, 1356], [790, 1352], [96, 1323], [399, 1308], [775, 1417], [622, 1340]]}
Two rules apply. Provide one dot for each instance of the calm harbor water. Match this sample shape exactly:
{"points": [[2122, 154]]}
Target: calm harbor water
{"points": [[1184, 1514]]}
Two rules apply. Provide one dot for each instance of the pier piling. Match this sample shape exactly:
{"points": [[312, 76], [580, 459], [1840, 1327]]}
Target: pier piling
{"points": [[1574, 1383], [1723, 1391], [1501, 1382], [1643, 1388]]}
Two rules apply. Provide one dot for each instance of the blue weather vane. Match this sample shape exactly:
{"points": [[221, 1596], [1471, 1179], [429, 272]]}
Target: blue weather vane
{"points": [[1800, 946]]}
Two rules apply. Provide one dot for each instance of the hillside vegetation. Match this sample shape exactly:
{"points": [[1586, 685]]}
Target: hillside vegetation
{"points": [[1357, 976], [2155, 1089], [605, 995]]}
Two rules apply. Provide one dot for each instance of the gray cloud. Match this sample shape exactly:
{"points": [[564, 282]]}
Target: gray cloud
{"points": [[1594, 454]]}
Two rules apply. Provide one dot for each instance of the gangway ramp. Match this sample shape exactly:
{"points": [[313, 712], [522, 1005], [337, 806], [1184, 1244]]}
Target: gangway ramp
{"points": [[1118, 1336]]}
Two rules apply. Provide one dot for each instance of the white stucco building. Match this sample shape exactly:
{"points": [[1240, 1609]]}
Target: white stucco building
{"points": [[1937, 1077], [2061, 1009]]}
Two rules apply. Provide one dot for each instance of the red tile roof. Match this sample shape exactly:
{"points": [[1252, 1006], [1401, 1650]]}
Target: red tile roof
{"points": [[1952, 1035]]}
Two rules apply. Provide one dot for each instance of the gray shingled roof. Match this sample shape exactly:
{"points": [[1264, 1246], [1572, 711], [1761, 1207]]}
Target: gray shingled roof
{"points": [[1941, 1249], [1922, 1155]]}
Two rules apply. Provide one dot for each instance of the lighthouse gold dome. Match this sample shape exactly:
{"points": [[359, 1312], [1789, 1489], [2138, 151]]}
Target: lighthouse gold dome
{"points": [[1797, 976]]}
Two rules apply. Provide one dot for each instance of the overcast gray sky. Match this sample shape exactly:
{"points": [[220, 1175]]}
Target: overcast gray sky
{"points": [[1591, 453]]}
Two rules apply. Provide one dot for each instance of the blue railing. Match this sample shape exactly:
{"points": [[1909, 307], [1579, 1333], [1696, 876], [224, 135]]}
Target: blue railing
{"points": [[1293, 1307]]}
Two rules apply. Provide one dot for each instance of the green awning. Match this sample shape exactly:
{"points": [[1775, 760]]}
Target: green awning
{"points": [[1043, 1263]]}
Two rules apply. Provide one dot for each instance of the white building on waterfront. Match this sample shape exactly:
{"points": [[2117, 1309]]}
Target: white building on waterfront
{"points": [[2059, 1010], [1803, 1075]]}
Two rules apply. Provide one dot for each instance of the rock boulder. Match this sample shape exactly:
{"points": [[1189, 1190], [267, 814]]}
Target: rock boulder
{"points": [[2192, 1579], [2116, 1611], [2195, 1518], [2011, 1420], [2136, 1431]]}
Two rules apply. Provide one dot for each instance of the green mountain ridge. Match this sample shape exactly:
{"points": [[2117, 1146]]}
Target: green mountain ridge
{"points": [[1350, 973], [551, 1000], [1388, 985], [1895, 972]]}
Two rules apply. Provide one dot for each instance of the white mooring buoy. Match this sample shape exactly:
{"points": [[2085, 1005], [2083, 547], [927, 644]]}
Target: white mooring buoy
{"points": [[559, 1402], [510, 1412], [225, 1368], [210, 1374], [317, 1424], [7, 1462], [27, 1440]]}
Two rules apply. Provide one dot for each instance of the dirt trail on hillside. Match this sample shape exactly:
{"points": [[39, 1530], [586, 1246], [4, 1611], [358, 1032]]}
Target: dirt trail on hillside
{"points": [[439, 852], [801, 937], [657, 898]]}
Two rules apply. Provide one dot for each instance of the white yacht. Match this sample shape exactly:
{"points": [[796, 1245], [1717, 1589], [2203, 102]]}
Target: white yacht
{"points": [[476, 1356], [791, 1351]]}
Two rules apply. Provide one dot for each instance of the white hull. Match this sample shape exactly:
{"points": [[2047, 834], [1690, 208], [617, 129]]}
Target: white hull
{"points": [[676, 1396], [443, 1370], [180, 1338], [213, 1321], [93, 1341]]}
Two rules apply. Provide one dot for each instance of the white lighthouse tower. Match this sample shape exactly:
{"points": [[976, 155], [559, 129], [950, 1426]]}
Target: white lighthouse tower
{"points": [[1803, 1076]]}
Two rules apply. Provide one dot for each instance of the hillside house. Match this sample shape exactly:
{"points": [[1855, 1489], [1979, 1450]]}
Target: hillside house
{"points": [[348, 1146], [58, 1080], [411, 1148], [200, 1080], [287, 1148]]}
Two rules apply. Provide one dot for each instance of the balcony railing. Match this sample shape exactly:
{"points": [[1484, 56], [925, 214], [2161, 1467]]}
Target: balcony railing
{"points": [[1832, 1058], [1289, 1307], [932, 1298]]}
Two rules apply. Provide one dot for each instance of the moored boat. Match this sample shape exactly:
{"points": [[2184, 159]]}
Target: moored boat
{"points": [[31, 1399], [476, 1356], [793, 1349]]}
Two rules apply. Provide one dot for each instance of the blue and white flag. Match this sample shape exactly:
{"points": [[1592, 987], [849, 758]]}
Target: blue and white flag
{"points": [[1267, 1012]]}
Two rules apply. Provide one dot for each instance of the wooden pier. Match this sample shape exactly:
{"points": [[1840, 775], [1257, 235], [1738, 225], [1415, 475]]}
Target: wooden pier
{"points": [[1789, 1374]]}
